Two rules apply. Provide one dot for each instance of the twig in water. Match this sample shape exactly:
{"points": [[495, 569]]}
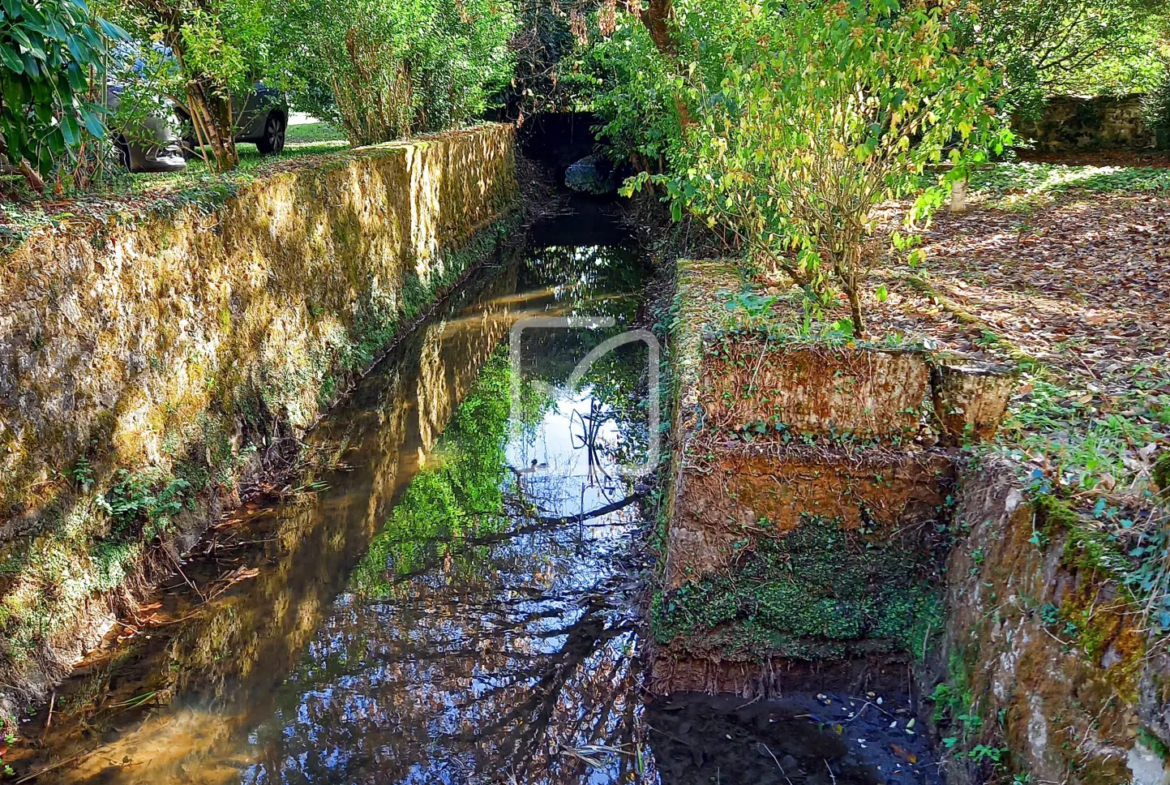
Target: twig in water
{"points": [[832, 776], [32, 776], [783, 773]]}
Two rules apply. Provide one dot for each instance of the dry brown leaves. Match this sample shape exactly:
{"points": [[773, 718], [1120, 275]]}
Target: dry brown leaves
{"points": [[1082, 286]]}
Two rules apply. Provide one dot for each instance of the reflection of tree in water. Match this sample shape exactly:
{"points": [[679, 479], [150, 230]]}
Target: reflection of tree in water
{"points": [[584, 273], [586, 433], [598, 281], [479, 642], [471, 677]]}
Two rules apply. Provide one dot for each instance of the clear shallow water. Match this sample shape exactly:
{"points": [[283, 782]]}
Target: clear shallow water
{"points": [[441, 606], [451, 600]]}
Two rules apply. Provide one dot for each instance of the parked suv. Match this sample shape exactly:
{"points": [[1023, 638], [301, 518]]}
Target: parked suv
{"points": [[263, 120], [151, 144]]}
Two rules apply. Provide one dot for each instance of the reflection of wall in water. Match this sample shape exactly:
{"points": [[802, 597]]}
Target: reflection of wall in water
{"points": [[231, 656]]}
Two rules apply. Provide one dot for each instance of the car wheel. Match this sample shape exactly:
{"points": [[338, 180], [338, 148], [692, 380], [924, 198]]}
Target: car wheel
{"points": [[122, 150], [272, 141]]}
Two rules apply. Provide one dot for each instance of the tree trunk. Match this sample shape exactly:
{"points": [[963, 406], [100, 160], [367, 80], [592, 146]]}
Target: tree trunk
{"points": [[855, 310], [212, 115], [658, 18], [31, 176], [847, 265]]}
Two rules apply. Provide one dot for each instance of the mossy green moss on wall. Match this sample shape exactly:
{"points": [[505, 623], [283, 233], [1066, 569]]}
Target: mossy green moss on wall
{"points": [[817, 592], [138, 372]]}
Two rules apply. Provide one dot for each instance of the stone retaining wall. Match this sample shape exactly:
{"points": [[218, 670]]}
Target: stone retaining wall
{"points": [[1100, 123], [145, 365], [1043, 646], [810, 532]]}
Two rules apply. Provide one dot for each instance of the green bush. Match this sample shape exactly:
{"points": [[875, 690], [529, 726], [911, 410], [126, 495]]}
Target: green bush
{"points": [[1157, 105], [1081, 47], [48, 51], [785, 126], [383, 70]]}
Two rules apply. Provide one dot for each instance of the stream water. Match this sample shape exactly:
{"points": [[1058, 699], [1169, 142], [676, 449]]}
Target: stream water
{"points": [[452, 597]]}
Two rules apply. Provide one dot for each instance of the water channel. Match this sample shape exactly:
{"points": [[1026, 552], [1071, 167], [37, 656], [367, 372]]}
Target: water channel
{"points": [[452, 597]]}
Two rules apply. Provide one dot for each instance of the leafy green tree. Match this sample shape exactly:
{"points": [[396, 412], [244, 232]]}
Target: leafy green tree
{"points": [[395, 68], [1157, 107], [1075, 46], [221, 48], [802, 118], [50, 53]]}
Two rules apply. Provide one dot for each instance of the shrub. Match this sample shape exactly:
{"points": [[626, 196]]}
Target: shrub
{"points": [[48, 50], [392, 69], [803, 118], [1084, 47], [214, 51], [1157, 105]]}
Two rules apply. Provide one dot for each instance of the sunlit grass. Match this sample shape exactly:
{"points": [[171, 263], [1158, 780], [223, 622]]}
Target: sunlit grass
{"points": [[252, 164], [314, 133], [1027, 185]]}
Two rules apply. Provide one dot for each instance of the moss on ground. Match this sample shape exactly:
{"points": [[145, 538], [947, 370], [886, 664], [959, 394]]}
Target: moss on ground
{"points": [[818, 592]]}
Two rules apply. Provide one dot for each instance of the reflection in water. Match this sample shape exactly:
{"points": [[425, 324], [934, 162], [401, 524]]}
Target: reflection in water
{"points": [[454, 601], [487, 648], [449, 607]]}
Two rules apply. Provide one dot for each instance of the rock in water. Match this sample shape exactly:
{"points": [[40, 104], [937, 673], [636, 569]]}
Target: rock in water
{"points": [[592, 175]]}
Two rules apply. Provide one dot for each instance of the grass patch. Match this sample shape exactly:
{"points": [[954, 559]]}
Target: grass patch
{"points": [[1025, 185], [1085, 444], [314, 133]]}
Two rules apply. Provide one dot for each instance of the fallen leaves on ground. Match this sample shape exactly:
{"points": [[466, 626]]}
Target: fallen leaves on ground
{"points": [[1083, 286]]}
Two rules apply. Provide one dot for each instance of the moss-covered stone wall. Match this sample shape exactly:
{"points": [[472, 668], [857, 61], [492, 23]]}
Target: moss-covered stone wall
{"points": [[1045, 653], [147, 363], [804, 516]]}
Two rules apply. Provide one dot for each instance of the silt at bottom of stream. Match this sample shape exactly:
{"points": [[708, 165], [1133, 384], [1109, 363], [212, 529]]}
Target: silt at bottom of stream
{"points": [[451, 595]]}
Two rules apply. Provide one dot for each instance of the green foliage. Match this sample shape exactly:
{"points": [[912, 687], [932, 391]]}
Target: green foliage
{"points": [[811, 591], [812, 115], [48, 51], [1083, 447], [632, 93], [1157, 106], [220, 48], [1092, 472], [148, 500], [9, 740], [1084, 47], [386, 70], [459, 493], [1154, 743]]}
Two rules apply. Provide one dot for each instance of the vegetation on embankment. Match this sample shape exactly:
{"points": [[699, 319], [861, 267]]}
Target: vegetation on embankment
{"points": [[820, 592], [805, 517], [148, 365], [1047, 653]]}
